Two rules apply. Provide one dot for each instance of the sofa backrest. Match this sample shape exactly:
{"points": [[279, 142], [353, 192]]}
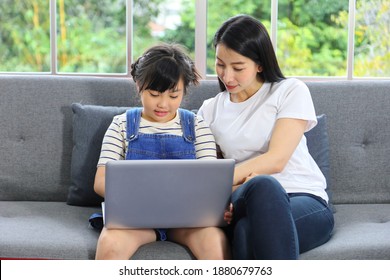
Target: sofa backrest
{"points": [[358, 116], [36, 132]]}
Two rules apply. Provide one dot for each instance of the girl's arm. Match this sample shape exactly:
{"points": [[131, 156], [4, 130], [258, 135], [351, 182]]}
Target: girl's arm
{"points": [[284, 139], [100, 180]]}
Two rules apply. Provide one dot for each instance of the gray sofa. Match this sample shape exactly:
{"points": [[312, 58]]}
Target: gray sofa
{"points": [[44, 206]]}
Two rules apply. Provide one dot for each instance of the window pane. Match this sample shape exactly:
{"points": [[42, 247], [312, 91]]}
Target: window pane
{"points": [[24, 36], [220, 11], [312, 37], [372, 38], [169, 21], [91, 36]]}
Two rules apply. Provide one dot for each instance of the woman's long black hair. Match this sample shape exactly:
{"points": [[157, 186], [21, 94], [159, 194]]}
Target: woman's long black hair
{"points": [[249, 37]]}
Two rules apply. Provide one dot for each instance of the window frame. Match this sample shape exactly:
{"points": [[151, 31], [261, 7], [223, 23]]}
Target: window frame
{"points": [[200, 44]]}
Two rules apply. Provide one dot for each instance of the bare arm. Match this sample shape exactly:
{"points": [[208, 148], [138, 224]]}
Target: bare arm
{"points": [[100, 180], [284, 140]]}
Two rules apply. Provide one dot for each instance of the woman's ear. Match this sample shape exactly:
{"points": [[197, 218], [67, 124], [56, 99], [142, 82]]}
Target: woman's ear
{"points": [[259, 69]]}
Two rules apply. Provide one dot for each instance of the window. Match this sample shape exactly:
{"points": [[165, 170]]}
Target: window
{"points": [[312, 38], [91, 36], [24, 36], [259, 9], [372, 39], [163, 21]]}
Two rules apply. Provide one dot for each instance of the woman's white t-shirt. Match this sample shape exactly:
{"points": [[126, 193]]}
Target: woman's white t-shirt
{"points": [[243, 130]]}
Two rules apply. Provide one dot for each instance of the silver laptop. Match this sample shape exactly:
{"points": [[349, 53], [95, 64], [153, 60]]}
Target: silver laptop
{"points": [[167, 193]]}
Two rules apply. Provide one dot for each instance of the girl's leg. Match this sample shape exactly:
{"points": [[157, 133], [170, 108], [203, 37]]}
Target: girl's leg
{"points": [[313, 220], [269, 230], [208, 243], [121, 244]]}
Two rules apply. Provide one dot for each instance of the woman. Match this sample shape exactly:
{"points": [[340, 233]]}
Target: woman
{"points": [[279, 201]]}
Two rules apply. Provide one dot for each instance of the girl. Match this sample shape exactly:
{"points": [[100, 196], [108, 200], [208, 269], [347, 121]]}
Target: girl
{"points": [[162, 76]]}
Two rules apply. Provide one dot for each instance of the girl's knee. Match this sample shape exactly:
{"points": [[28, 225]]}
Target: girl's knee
{"points": [[121, 244], [106, 238], [211, 243], [107, 245]]}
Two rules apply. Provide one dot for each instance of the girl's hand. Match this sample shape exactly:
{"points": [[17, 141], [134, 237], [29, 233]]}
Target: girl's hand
{"points": [[228, 216]]}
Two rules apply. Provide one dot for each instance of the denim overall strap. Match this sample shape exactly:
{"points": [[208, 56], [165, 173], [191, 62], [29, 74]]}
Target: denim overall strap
{"points": [[187, 120], [133, 119], [160, 145]]}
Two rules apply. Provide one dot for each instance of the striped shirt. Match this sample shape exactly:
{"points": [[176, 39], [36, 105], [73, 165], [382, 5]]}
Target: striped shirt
{"points": [[114, 146]]}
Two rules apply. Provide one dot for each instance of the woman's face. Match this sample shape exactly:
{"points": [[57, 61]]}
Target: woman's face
{"points": [[237, 72], [161, 106]]}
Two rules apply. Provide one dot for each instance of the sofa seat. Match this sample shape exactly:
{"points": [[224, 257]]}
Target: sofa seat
{"points": [[46, 230], [165, 250], [60, 231], [358, 228]]}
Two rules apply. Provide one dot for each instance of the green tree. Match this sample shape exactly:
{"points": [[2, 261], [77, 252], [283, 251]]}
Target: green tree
{"points": [[312, 37], [372, 38], [144, 12], [92, 36], [24, 36], [181, 35], [219, 11]]}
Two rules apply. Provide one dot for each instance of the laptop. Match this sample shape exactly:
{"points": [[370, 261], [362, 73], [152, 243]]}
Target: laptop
{"points": [[167, 193]]}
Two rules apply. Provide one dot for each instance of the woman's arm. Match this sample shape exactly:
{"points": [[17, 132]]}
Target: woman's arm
{"points": [[285, 138], [100, 181]]}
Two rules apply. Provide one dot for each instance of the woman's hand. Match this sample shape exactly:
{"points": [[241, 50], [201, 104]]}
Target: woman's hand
{"points": [[246, 179], [251, 176]]}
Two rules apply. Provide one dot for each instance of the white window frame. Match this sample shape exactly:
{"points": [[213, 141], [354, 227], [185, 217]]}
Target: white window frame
{"points": [[200, 43]]}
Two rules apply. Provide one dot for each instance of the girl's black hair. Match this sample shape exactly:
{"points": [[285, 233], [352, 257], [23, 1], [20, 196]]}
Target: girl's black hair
{"points": [[161, 67], [249, 37]]}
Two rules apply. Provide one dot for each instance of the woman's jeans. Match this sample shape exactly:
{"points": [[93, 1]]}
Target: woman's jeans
{"points": [[270, 224]]}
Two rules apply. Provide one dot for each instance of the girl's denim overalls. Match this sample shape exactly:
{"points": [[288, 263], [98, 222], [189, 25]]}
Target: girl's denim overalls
{"points": [[159, 146]]}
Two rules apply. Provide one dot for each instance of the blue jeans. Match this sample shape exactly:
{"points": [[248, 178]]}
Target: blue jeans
{"points": [[270, 224]]}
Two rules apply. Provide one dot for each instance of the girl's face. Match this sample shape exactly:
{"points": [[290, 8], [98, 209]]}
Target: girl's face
{"points": [[161, 106], [237, 72]]}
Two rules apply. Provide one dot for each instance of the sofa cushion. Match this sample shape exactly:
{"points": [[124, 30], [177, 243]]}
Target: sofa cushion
{"points": [[46, 230], [318, 145], [90, 123], [361, 232]]}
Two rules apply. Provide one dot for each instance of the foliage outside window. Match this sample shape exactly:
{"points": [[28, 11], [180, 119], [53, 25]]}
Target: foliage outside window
{"points": [[372, 38], [312, 37], [24, 36], [91, 35], [157, 21]]}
